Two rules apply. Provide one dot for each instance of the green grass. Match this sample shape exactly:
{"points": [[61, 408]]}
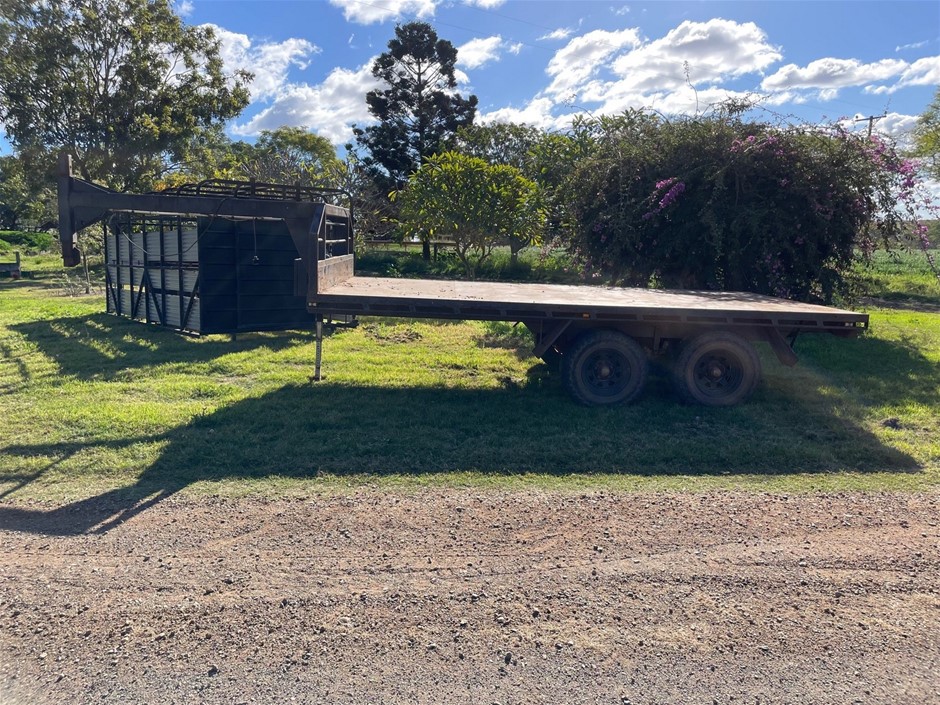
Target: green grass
{"points": [[92, 404], [901, 276]]}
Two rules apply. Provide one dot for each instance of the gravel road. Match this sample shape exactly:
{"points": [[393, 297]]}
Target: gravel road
{"points": [[473, 596]]}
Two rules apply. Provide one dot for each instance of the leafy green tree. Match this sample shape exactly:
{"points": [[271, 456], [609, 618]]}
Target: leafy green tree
{"points": [[208, 154], [927, 137], [418, 110], [126, 87], [719, 203], [502, 143], [291, 155], [19, 200], [375, 213], [476, 204], [547, 158]]}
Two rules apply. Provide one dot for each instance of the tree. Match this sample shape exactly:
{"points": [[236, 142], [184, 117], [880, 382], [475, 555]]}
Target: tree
{"points": [[125, 86], [502, 143], [290, 155], [19, 199], [547, 158], [927, 137], [477, 205], [418, 109]]}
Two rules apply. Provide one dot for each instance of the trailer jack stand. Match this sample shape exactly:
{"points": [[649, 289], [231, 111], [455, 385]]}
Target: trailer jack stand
{"points": [[316, 370]]}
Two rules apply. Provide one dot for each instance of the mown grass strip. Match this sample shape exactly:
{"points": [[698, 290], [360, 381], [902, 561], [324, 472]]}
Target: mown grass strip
{"points": [[91, 403]]}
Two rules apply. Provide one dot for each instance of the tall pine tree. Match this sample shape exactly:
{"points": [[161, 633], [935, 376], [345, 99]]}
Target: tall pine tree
{"points": [[418, 110]]}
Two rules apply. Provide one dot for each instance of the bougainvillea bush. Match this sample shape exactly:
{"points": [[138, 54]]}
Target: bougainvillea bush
{"points": [[721, 203]]}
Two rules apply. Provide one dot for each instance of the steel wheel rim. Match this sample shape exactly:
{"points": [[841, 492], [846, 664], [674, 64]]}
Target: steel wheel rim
{"points": [[606, 373], [718, 374]]}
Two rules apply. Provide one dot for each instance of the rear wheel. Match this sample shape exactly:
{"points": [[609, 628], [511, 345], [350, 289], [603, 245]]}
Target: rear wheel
{"points": [[604, 367], [717, 369]]}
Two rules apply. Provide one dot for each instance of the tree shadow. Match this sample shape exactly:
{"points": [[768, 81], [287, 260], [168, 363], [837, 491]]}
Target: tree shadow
{"points": [[874, 371], [795, 424], [527, 427], [104, 347], [96, 514]]}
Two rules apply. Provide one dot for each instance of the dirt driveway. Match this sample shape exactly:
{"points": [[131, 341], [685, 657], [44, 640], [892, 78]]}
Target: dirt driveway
{"points": [[474, 597]]}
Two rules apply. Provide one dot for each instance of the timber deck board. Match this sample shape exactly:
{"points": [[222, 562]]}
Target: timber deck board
{"points": [[573, 298]]}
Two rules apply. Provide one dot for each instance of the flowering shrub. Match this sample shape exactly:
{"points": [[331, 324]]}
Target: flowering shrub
{"points": [[720, 203]]}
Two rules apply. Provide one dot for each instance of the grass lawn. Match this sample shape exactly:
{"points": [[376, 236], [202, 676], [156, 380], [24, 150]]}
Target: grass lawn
{"points": [[91, 403]]}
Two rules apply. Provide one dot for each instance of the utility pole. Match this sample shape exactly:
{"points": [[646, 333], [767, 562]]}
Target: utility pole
{"points": [[871, 121]]}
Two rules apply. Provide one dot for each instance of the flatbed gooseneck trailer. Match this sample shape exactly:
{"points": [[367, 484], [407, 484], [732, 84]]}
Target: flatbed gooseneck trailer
{"points": [[169, 255]]}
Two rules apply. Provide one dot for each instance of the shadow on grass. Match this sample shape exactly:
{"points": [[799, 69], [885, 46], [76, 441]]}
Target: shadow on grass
{"points": [[874, 371], [325, 430], [103, 346], [906, 301], [795, 424]]}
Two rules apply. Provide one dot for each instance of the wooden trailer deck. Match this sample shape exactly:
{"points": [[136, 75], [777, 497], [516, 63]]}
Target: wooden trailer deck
{"points": [[512, 301]]}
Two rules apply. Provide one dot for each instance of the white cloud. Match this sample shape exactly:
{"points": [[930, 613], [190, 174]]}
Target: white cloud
{"points": [[478, 52], [896, 125], [915, 45], [562, 33], [372, 11], [184, 8], [709, 50], [328, 108], [609, 74], [582, 57], [923, 72], [695, 102], [621, 11], [619, 70], [830, 73], [376, 11], [538, 113], [778, 98], [269, 62]]}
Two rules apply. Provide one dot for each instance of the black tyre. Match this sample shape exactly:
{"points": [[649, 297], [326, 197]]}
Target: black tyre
{"points": [[604, 367], [717, 369]]}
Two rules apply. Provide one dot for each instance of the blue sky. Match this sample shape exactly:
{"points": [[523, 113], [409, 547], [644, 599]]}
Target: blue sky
{"points": [[541, 61]]}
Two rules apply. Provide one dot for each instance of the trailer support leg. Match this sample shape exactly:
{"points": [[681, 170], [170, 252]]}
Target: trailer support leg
{"points": [[781, 347], [547, 338], [316, 370]]}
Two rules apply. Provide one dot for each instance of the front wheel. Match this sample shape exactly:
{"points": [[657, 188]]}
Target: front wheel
{"points": [[604, 367], [717, 369]]}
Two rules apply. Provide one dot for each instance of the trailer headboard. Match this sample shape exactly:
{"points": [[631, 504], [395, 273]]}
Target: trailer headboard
{"points": [[334, 271]]}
